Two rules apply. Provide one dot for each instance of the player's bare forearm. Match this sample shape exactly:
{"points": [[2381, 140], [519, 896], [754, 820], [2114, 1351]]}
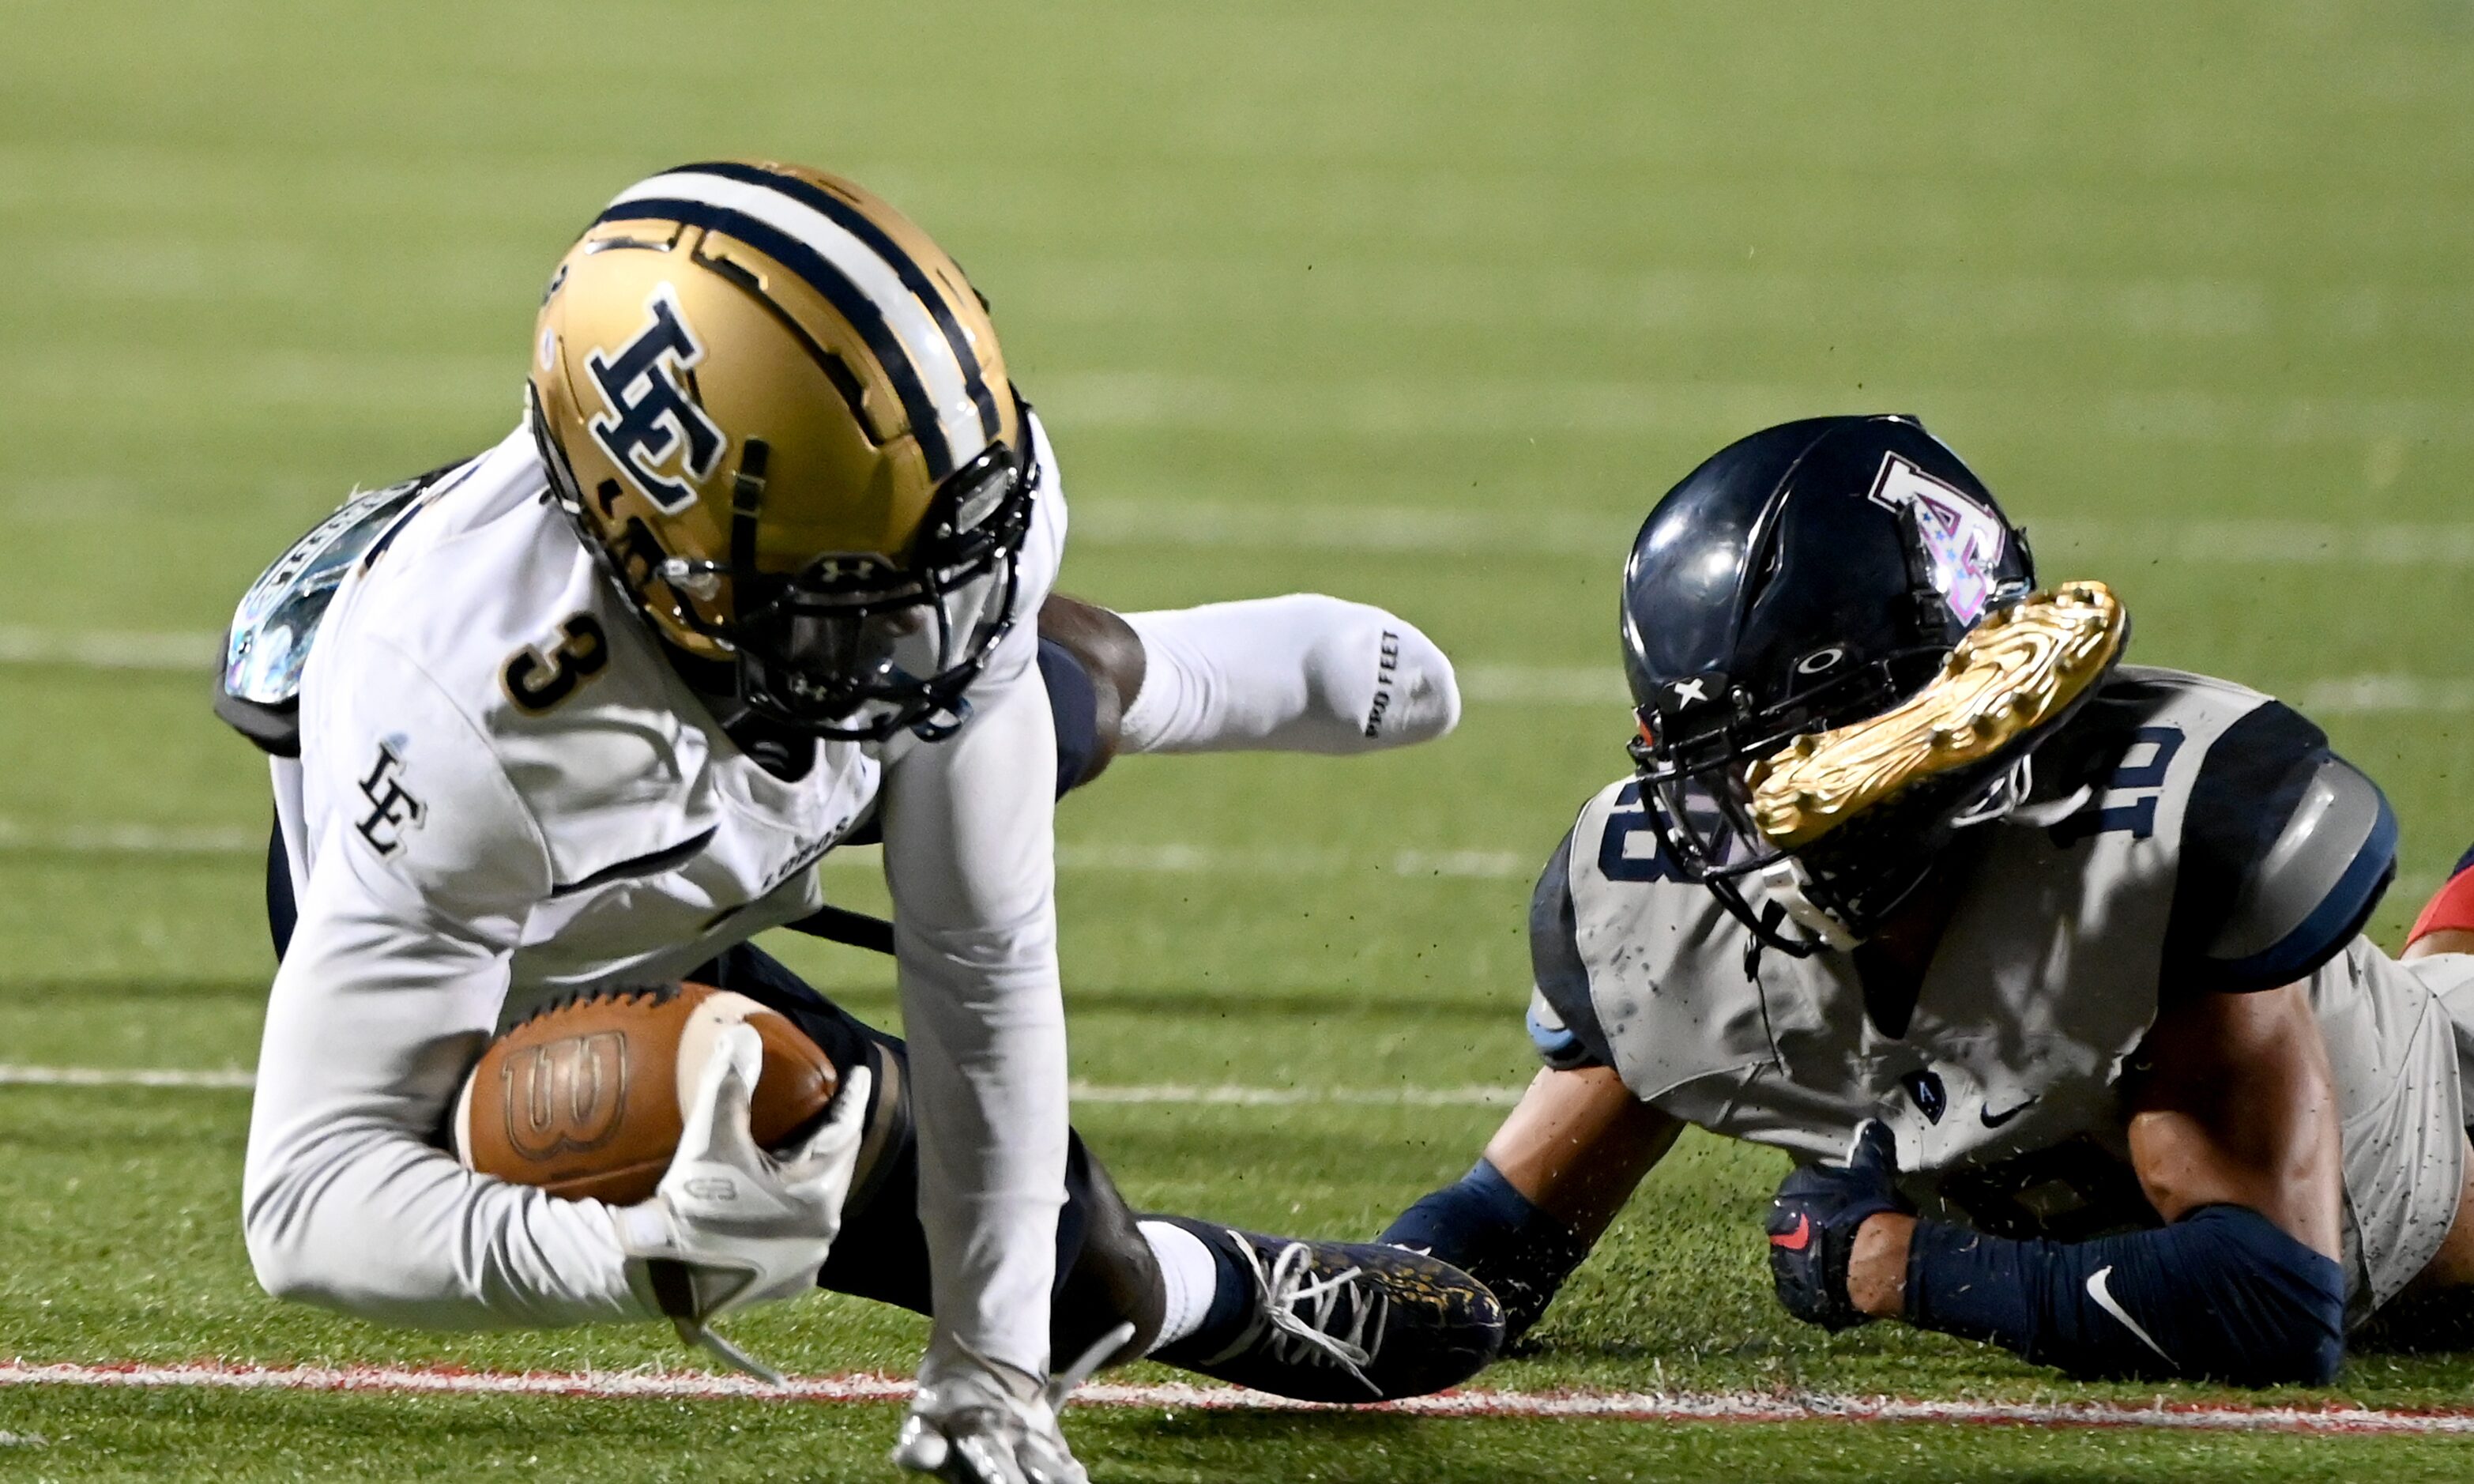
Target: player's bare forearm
{"points": [[2241, 1108], [2234, 1134], [1578, 1144]]}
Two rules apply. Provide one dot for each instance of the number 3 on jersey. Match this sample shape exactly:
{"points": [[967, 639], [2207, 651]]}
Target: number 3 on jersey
{"points": [[536, 681]]}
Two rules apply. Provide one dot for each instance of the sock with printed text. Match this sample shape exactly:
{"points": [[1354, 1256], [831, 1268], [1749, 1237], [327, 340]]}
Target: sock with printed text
{"points": [[1300, 673]]}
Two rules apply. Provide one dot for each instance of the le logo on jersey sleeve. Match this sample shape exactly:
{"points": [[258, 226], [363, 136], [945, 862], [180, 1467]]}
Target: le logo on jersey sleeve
{"points": [[1963, 539], [650, 427], [392, 809]]}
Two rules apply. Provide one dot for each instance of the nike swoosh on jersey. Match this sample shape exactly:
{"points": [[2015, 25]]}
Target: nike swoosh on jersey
{"points": [[2099, 1290], [1994, 1120], [1797, 1240]]}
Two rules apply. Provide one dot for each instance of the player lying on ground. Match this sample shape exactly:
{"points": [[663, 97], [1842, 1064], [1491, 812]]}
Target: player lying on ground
{"points": [[758, 576], [2048, 974]]}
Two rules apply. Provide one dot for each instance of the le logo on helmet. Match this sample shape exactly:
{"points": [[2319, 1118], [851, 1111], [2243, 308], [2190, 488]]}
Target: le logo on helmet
{"points": [[649, 416]]}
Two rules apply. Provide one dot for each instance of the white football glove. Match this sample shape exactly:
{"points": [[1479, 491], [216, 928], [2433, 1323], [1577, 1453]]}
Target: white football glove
{"points": [[730, 1225], [977, 1420]]}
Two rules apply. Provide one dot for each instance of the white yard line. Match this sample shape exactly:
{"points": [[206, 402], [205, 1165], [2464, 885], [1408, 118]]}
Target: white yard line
{"points": [[2445, 545], [1298, 861], [2388, 694], [1535, 406], [196, 654], [1272, 861], [139, 839], [1212, 1095], [1481, 684], [1626, 1406], [215, 1079], [1544, 685], [1227, 1095], [1360, 529], [1155, 860]]}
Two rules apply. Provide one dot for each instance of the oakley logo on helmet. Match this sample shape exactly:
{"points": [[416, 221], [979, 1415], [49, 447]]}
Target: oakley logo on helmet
{"points": [[650, 418], [1963, 539]]}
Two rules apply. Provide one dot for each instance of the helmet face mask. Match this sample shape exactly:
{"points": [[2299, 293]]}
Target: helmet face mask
{"points": [[779, 416], [1838, 890], [1694, 763], [1704, 819], [853, 646], [857, 648], [1807, 578]]}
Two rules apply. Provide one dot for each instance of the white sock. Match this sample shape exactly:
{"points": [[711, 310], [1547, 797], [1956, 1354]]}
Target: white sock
{"points": [[1300, 673], [1189, 1273]]}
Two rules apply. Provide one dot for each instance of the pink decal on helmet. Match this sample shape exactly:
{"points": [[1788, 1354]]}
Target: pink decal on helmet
{"points": [[1963, 539]]}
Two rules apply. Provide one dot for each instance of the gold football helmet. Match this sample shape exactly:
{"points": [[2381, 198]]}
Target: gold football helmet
{"points": [[778, 413]]}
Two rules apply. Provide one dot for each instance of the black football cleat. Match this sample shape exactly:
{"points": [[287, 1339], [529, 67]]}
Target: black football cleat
{"points": [[1354, 1322]]}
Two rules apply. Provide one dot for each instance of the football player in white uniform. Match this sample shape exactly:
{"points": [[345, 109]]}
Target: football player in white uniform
{"points": [[766, 571], [2048, 973]]}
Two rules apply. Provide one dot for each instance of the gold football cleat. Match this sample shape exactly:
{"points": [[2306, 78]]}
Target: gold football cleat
{"points": [[2019, 668]]}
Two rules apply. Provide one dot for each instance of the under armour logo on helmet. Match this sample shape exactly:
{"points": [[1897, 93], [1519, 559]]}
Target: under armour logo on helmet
{"points": [[650, 416]]}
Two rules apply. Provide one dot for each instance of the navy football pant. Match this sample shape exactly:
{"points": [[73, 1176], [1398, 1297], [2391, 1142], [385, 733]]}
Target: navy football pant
{"points": [[1106, 1274]]}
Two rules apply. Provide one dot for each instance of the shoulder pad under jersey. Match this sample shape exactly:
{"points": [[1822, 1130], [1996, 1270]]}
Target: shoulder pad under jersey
{"points": [[2287, 849], [259, 695]]}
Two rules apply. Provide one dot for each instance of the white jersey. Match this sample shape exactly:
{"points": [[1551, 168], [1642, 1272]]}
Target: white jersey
{"points": [[2217, 846], [505, 793]]}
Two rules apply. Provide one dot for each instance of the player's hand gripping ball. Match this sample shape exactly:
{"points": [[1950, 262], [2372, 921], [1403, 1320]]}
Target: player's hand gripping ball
{"points": [[1813, 1222], [582, 1099]]}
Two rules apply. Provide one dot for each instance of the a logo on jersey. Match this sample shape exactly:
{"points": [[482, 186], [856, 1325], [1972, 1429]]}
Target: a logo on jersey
{"points": [[652, 430], [1933, 1100], [1963, 539], [566, 1097], [392, 809]]}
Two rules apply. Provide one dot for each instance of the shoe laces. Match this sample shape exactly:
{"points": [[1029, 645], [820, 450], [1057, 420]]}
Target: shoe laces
{"points": [[1305, 1314]]}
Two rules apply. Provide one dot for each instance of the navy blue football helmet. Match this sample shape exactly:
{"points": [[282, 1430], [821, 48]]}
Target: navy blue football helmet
{"points": [[1803, 578]]}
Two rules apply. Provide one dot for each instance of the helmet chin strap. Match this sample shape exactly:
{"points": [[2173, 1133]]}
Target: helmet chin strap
{"points": [[944, 721], [1784, 881], [2004, 796]]}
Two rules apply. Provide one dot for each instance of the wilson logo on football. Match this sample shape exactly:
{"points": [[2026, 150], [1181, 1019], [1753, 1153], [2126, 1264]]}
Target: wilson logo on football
{"points": [[566, 1097]]}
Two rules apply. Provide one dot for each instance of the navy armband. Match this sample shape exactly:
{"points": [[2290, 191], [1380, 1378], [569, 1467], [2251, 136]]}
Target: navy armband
{"points": [[2222, 1295], [1498, 1236]]}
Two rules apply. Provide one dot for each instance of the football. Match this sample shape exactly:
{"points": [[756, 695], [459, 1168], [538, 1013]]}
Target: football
{"points": [[583, 1098]]}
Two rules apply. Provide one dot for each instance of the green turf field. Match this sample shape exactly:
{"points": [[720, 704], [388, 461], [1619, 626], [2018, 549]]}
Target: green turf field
{"points": [[1419, 304]]}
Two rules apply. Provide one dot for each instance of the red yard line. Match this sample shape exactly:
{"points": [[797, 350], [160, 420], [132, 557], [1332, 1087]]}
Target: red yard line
{"points": [[1610, 1406]]}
